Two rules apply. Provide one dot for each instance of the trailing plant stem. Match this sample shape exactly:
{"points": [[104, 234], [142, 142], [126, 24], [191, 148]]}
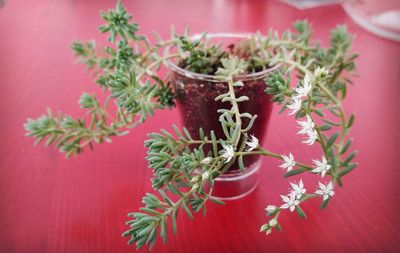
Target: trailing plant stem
{"points": [[334, 99], [265, 152]]}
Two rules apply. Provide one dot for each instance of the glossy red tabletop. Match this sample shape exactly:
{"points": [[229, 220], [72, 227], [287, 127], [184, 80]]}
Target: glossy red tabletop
{"points": [[50, 204]]}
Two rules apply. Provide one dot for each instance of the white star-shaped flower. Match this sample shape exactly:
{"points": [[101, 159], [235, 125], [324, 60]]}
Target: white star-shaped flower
{"points": [[298, 189], [295, 105], [228, 153], [305, 88], [306, 126], [320, 72], [252, 144], [312, 136], [289, 162], [326, 191], [290, 202], [322, 166]]}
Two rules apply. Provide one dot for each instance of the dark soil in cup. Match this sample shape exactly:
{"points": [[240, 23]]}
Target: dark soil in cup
{"points": [[195, 99]]}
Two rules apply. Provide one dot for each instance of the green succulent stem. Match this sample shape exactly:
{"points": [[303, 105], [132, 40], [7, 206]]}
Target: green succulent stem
{"points": [[235, 107], [264, 152]]}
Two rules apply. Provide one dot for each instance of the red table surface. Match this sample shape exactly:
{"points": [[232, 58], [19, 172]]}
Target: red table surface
{"points": [[50, 204]]}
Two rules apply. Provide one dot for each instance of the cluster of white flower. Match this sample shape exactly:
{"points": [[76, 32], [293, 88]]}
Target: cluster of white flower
{"points": [[297, 191], [301, 91], [296, 102], [322, 167], [228, 151], [307, 127], [292, 199]]}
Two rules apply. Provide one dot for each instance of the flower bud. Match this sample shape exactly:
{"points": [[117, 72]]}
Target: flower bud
{"points": [[195, 186], [264, 227], [272, 222], [206, 160], [271, 209], [195, 179]]}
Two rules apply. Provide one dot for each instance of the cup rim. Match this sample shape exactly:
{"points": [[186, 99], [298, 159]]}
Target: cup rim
{"points": [[212, 78]]}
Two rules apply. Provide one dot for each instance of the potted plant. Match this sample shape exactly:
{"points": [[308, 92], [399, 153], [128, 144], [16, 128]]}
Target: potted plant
{"points": [[196, 86], [221, 89]]}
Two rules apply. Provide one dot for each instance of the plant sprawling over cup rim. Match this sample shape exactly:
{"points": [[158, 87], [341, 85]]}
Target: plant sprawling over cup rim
{"points": [[127, 71]]}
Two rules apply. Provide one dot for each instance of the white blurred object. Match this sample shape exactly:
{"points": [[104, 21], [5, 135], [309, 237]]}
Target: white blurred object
{"points": [[306, 4], [381, 17]]}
